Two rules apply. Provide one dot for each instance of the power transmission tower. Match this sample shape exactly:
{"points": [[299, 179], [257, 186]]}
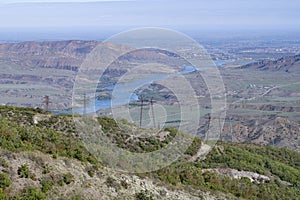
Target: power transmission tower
{"points": [[84, 104], [47, 102], [141, 112], [152, 111]]}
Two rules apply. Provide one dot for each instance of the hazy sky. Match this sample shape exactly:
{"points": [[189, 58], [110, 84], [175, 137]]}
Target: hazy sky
{"points": [[51, 1], [185, 14]]}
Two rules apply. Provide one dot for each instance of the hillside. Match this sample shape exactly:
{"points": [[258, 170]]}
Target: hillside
{"points": [[31, 70], [41, 157], [69, 55], [66, 55], [286, 64]]}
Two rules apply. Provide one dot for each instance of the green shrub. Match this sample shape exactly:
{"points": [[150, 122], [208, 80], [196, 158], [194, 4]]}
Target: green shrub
{"points": [[111, 182], [51, 180], [47, 183], [31, 193], [144, 195], [3, 194], [108, 124], [5, 180], [124, 184], [91, 170], [194, 147], [46, 169], [68, 178], [4, 163], [24, 171]]}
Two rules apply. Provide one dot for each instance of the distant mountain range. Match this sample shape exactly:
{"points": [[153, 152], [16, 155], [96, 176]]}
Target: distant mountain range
{"points": [[69, 55], [60, 55], [286, 64]]}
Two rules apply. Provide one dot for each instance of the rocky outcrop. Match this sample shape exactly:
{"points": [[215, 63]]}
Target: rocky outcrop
{"points": [[233, 173]]}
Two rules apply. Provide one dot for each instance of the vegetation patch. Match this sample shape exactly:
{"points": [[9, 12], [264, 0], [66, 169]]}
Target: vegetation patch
{"points": [[144, 195], [5, 180], [24, 171]]}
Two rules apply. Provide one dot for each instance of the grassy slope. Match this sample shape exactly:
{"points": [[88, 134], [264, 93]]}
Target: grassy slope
{"points": [[55, 136]]}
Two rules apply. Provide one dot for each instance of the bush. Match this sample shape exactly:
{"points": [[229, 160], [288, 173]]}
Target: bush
{"points": [[111, 182], [3, 163], [32, 193], [5, 180], [144, 195], [124, 184], [46, 169], [91, 170], [3, 194], [68, 178], [47, 183], [194, 147], [24, 171]]}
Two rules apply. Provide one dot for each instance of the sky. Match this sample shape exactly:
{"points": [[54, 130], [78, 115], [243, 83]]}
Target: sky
{"points": [[53, 16], [53, 1]]}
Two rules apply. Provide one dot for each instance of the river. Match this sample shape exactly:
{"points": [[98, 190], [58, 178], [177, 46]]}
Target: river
{"points": [[123, 93]]}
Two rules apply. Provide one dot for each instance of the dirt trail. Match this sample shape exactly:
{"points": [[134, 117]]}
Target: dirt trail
{"points": [[201, 152]]}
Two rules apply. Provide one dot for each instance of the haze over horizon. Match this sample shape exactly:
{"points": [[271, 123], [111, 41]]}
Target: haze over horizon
{"points": [[56, 19]]}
